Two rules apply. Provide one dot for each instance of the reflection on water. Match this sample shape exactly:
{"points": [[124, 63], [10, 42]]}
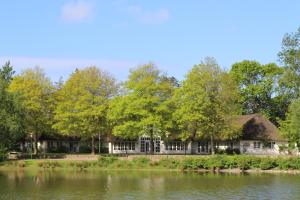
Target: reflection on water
{"points": [[145, 185]]}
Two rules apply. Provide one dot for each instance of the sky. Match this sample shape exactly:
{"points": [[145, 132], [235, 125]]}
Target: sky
{"points": [[117, 35]]}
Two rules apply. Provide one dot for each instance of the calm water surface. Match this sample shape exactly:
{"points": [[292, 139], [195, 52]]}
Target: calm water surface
{"points": [[146, 185]]}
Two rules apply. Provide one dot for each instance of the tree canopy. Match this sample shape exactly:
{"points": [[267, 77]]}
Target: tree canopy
{"points": [[145, 108], [11, 124], [258, 86], [82, 103], [206, 103], [35, 93]]}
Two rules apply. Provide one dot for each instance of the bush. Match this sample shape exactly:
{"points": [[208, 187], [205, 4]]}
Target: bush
{"points": [[283, 163], [215, 162], [49, 164], [267, 163], [170, 163], [294, 163], [141, 161], [243, 162], [105, 161], [3, 153], [83, 164]]}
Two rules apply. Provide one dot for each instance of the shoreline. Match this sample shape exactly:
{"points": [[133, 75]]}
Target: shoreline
{"points": [[237, 164]]}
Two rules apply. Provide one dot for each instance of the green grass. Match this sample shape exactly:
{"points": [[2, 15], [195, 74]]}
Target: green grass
{"points": [[212, 163]]}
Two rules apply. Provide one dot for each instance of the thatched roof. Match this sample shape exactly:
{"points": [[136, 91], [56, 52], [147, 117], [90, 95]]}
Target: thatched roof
{"points": [[258, 127]]}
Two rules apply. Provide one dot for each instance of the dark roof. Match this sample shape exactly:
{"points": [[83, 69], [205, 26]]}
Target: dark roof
{"points": [[258, 127]]}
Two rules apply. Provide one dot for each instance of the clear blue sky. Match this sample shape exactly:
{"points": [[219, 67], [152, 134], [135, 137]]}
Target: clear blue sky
{"points": [[117, 34]]}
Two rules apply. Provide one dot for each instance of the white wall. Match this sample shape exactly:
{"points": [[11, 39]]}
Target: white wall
{"points": [[244, 148]]}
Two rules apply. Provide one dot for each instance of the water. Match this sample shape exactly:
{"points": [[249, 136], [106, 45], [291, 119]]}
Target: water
{"points": [[146, 185]]}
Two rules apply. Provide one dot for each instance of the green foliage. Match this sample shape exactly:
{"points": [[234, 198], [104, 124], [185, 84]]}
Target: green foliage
{"points": [[205, 103], [35, 92], [290, 127], [3, 152], [49, 164], [144, 108], [11, 112], [82, 103], [258, 85], [267, 163], [290, 58], [141, 161], [169, 163], [105, 161]]}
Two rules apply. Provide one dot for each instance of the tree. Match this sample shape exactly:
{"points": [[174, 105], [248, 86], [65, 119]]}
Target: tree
{"points": [[35, 91], [290, 58], [83, 102], [11, 127], [206, 103], [290, 127], [145, 107], [258, 85]]}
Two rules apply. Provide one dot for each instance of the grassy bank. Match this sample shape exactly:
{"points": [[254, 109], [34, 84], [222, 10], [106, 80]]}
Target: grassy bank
{"points": [[201, 163]]}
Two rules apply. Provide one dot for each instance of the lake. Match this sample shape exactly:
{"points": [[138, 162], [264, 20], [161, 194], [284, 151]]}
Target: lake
{"points": [[146, 185]]}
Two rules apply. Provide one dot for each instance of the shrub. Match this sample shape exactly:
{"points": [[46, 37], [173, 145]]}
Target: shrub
{"points": [[283, 163], [3, 153], [267, 163], [230, 162], [170, 163], [83, 164], [104, 161], [243, 162], [141, 161], [213, 163], [294, 163]]}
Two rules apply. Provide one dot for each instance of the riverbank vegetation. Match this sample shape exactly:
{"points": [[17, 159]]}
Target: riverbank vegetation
{"points": [[91, 103], [185, 163]]}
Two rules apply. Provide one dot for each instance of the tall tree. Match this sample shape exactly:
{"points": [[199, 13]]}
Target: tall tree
{"points": [[206, 103], [290, 127], [258, 85], [290, 58], [83, 102], [145, 107], [35, 91], [11, 126]]}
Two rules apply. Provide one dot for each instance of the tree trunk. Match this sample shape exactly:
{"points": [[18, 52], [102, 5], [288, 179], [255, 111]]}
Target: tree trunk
{"points": [[93, 145], [35, 144], [212, 145], [99, 137], [151, 146]]}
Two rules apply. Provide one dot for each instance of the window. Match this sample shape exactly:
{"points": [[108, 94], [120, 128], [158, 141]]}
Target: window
{"points": [[175, 146], [124, 146], [202, 147], [157, 146], [256, 145], [270, 145]]}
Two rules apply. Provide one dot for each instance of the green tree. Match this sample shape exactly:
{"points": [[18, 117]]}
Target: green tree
{"points": [[290, 127], [11, 127], [35, 91], [206, 103], [290, 58], [145, 107], [83, 102], [258, 85]]}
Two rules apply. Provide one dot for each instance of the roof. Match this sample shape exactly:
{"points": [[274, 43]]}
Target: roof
{"points": [[258, 127]]}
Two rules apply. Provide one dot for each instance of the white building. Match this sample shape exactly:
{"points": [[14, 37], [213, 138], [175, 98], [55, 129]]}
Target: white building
{"points": [[259, 136]]}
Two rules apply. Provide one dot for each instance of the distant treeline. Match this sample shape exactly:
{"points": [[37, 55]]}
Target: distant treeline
{"points": [[92, 102]]}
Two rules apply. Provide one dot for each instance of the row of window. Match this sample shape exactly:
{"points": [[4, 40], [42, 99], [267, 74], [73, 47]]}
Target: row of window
{"points": [[124, 146], [175, 146], [257, 145]]}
